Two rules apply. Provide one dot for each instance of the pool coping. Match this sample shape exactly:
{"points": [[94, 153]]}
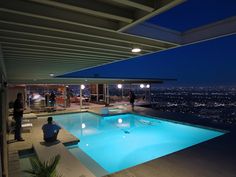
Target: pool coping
{"points": [[185, 123]]}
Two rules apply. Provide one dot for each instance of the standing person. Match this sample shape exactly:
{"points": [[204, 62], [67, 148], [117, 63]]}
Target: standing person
{"points": [[68, 97], [46, 99], [131, 99], [52, 99], [50, 131], [18, 115]]}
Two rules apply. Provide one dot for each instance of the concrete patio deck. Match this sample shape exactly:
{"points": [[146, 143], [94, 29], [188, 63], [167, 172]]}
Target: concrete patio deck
{"points": [[69, 165], [33, 139]]}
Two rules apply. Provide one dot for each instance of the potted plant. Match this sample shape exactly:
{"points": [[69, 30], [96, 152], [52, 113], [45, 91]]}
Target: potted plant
{"points": [[45, 169]]}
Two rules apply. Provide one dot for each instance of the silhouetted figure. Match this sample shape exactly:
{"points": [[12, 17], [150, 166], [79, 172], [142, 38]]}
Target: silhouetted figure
{"points": [[18, 115], [50, 131], [131, 99], [47, 99], [52, 99], [68, 94]]}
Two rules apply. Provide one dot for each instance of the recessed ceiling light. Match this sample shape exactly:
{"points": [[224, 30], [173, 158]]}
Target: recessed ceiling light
{"points": [[136, 50], [51, 74]]}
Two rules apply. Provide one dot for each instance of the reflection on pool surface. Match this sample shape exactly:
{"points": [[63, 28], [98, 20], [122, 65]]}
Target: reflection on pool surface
{"points": [[121, 141]]}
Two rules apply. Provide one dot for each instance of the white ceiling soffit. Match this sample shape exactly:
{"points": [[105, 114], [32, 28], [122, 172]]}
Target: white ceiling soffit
{"points": [[40, 37]]}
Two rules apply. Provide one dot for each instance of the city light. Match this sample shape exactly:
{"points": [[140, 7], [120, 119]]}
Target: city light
{"points": [[147, 86]]}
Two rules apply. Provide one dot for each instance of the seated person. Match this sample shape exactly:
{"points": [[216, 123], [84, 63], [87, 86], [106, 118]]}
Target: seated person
{"points": [[50, 131]]}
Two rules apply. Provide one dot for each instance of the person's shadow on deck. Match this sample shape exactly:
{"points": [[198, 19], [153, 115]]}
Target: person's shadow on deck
{"points": [[49, 143], [11, 141]]}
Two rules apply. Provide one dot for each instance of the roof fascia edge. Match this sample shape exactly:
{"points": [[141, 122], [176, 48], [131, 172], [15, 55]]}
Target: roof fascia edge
{"points": [[210, 31]]}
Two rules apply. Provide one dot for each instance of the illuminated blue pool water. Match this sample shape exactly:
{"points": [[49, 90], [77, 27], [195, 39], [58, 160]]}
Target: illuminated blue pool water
{"points": [[121, 141]]}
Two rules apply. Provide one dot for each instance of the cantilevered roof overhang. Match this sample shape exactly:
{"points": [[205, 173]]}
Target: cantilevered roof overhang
{"points": [[113, 80], [43, 37]]}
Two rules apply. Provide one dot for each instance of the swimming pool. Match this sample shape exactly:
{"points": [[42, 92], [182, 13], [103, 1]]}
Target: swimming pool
{"points": [[122, 141]]}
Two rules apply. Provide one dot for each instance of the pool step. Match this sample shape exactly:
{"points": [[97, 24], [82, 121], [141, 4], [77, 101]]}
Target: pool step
{"points": [[92, 165], [69, 166]]}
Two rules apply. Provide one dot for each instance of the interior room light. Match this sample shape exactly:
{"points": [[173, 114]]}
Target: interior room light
{"points": [[82, 87], [141, 85], [147, 86], [119, 86], [136, 50]]}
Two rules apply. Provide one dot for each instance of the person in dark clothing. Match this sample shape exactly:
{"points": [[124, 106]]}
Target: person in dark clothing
{"points": [[52, 99], [68, 94], [46, 99], [18, 115], [131, 99], [50, 131]]}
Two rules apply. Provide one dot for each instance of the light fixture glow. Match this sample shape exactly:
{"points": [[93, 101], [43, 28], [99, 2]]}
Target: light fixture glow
{"points": [[136, 50], [82, 87], [120, 120], [147, 86], [51, 74], [141, 85], [119, 86], [83, 125]]}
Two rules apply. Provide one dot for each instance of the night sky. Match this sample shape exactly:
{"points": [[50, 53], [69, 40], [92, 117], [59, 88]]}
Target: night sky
{"points": [[195, 13]]}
